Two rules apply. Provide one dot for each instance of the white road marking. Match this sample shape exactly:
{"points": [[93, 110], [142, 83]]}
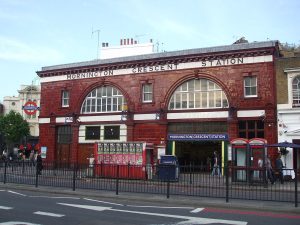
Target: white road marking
{"points": [[48, 214], [111, 203], [197, 210], [189, 219], [17, 193], [36, 196], [6, 208], [96, 208], [138, 206], [159, 207], [2, 190], [17, 223]]}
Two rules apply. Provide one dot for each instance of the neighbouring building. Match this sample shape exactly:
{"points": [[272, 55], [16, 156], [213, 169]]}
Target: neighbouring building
{"points": [[29, 96], [288, 102], [188, 103]]}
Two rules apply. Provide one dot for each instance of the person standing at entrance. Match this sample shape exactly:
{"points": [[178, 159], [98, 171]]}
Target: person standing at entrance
{"points": [[279, 167], [216, 168]]}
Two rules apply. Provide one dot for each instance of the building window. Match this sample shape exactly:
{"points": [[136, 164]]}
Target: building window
{"points": [[296, 91], [64, 134], [198, 94], [147, 92], [102, 100], [92, 133], [250, 86], [112, 133], [65, 98], [251, 129]]}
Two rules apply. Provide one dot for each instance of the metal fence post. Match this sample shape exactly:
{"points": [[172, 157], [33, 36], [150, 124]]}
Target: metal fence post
{"points": [[23, 166], [296, 188], [227, 182], [74, 176], [168, 181], [191, 173], [5, 171], [117, 181], [36, 177]]}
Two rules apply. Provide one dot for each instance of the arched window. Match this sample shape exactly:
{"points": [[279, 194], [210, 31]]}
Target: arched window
{"points": [[198, 94], [296, 91], [103, 99]]}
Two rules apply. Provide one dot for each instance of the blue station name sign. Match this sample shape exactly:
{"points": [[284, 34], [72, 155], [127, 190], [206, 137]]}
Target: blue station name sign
{"points": [[198, 137]]}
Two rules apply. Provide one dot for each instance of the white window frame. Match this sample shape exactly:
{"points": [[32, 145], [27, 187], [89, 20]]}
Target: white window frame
{"points": [[198, 94], [103, 99], [250, 86], [296, 92], [147, 93], [65, 100]]}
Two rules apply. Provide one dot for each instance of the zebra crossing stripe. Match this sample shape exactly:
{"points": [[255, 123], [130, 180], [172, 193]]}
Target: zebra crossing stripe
{"points": [[197, 210], [5, 207], [48, 214]]}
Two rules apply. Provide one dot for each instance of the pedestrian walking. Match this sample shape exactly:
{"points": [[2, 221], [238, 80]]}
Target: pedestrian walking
{"points": [[216, 168], [260, 163], [279, 168], [270, 173], [39, 164]]}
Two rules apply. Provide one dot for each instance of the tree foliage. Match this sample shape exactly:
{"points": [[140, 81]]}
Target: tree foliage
{"points": [[13, 127]]}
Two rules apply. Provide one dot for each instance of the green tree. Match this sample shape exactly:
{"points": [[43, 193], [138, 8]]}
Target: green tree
{"points": [[13, 127]]}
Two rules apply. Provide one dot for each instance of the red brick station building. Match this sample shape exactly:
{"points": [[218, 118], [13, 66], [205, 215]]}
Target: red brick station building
{"points": [[187, 103]]}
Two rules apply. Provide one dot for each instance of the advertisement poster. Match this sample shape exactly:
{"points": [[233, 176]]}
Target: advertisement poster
{"points": [[120, 153], [43, 152]]}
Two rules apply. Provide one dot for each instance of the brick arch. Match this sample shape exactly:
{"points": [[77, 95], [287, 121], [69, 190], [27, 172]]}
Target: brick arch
{"points": [[97, 85], [195, 76]]}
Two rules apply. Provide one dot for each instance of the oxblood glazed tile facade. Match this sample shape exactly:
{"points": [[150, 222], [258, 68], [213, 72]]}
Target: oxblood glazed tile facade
{"points": [[64, 129]]}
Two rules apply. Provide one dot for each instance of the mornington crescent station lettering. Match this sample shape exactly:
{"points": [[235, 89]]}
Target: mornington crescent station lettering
{"points": [[90, 74], [222, 62], [159, 68], [189, 137]]}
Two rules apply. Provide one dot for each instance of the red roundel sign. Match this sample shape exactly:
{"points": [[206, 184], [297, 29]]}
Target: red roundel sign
{"points": [[30, 108]]}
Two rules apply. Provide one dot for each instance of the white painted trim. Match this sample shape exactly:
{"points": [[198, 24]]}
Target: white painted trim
{"points": [[144, 117], [292, 70], [288, 110], [180, 66], [44, 120], [250, 113], [100, 118], [197, 115], [81, 134]]}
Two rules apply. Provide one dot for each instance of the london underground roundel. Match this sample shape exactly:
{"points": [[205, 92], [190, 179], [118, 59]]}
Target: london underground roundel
{"points": [[30, 108]]}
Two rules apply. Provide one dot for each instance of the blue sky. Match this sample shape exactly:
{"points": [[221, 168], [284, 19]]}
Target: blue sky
{"points": [[37, 33]]}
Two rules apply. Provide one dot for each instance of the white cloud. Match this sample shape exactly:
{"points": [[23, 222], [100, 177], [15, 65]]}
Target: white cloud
{"points": [[15, 50]]}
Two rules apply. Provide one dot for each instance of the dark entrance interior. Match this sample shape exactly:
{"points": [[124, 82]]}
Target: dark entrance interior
{"points": [[63, 145], [197, 152]]}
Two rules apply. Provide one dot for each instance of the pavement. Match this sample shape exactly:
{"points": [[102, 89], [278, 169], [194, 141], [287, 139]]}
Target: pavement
{"points": [[204, 202]]}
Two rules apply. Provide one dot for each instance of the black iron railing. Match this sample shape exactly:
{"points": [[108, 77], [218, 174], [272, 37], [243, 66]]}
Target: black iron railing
{"points": [[169, 180]]}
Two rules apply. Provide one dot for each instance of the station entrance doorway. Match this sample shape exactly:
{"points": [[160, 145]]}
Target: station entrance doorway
{"points": [[195, 143], [197, 150], [198, 153]]}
